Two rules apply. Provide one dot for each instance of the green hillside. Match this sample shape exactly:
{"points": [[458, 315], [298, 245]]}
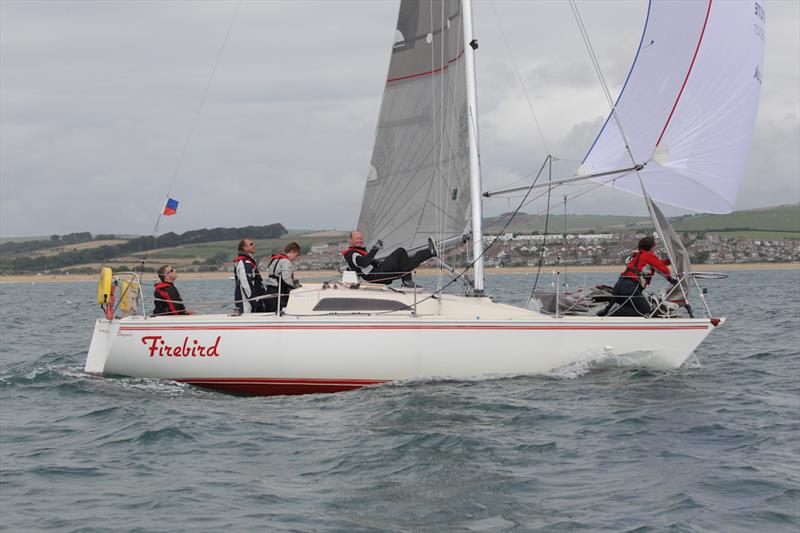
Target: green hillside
{"points": [[773, 219], [210, 248], [524, 223], [771, 223], [263, 246]]}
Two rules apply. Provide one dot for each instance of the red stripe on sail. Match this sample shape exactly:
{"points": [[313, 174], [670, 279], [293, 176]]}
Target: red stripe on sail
{"points": [[702, 32], [434, 71]]}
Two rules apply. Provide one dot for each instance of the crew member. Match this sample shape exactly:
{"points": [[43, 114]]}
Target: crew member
{"points": [[631, 283], [166, 296], [280, 277], [249, 285], [396, 265]]}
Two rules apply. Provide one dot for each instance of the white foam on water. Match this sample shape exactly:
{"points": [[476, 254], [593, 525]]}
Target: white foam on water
{"points": [[159, 386], [584, 365], [692, 362]]}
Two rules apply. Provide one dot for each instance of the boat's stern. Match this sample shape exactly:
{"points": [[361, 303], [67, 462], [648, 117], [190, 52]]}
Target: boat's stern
{"points": [[102, 337]]}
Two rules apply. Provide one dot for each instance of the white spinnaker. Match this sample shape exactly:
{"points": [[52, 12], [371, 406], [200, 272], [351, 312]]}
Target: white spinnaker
{"points": [[418, 184], [688, 107]]}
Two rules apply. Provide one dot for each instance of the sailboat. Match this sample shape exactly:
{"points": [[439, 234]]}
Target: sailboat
{"points": [[679, 134]]}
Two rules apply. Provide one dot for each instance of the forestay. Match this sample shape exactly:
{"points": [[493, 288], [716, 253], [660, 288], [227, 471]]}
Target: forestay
{"points": [[418, 182], [688, 107]]}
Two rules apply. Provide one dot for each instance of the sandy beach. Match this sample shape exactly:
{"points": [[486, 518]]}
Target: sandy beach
{"points": [[330, 274]]}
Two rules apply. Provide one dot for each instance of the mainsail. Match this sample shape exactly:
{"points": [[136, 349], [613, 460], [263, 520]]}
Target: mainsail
{"points": [[418, 182], [688, 108]]}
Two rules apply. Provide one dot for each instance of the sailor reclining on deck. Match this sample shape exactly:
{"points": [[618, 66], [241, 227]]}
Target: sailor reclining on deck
{"points": [[396, 265]]}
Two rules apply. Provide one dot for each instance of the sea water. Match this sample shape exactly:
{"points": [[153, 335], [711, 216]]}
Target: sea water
{"points": [[712, 446]]}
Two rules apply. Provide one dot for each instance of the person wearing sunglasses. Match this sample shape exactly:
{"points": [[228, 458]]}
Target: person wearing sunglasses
{"points": [[166, 296], [249, 284]]}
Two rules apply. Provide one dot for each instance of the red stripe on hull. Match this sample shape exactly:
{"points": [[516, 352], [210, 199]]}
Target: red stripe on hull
{"points": [[411, 327], [277, 387]]}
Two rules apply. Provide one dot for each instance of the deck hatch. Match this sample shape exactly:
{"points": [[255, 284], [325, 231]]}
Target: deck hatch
{"points": [[359, 304]]}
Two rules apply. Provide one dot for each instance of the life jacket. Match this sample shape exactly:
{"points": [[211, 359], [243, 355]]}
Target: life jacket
{"points": [[254, 280], [362, 251], [633, 265], [351, 263], [634, 271], [273, 266], [165, 303], [247, 259]]}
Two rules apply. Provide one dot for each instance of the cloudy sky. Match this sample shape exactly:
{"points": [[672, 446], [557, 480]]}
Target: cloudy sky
{"points": [[97, 100]]}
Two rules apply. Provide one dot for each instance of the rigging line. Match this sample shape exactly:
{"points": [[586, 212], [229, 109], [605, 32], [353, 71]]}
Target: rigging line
{"points": [[519, 77], [199, 108], [454, 95], [544, 240], [447, 178], [434, 125], [525, 177], [440, 221], [565, 236], [573, 196], [596, 183], [601, 77]]}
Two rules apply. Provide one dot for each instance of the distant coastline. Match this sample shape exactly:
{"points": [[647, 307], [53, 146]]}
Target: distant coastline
{"points": [[331, 274]]}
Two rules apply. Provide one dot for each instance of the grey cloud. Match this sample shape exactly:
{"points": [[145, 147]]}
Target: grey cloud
{"points": [[97, 99]]}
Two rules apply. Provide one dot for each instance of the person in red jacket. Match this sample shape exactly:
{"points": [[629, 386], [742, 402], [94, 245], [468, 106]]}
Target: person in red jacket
{"points": [[631, 283], [166, 297]]}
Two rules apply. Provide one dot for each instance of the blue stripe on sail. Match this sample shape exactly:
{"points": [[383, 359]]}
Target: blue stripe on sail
{"points": [[633, 65]]}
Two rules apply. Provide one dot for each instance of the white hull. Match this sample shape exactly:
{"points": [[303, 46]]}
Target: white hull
{"points": [[467, 337]]}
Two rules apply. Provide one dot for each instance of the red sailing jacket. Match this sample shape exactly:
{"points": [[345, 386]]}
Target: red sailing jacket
{"points": [[642, 258]]}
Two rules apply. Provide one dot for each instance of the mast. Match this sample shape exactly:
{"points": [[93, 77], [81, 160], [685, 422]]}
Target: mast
{"points": [[470, 45]]}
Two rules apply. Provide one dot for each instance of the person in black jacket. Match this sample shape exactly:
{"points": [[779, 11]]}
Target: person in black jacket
{"points": [[166, 297], [249, 288], [397, 265]]}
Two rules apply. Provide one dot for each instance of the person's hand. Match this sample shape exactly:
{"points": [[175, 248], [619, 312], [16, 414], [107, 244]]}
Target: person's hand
{"points": [[297, 284], [672, 280], [379, 244]]}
